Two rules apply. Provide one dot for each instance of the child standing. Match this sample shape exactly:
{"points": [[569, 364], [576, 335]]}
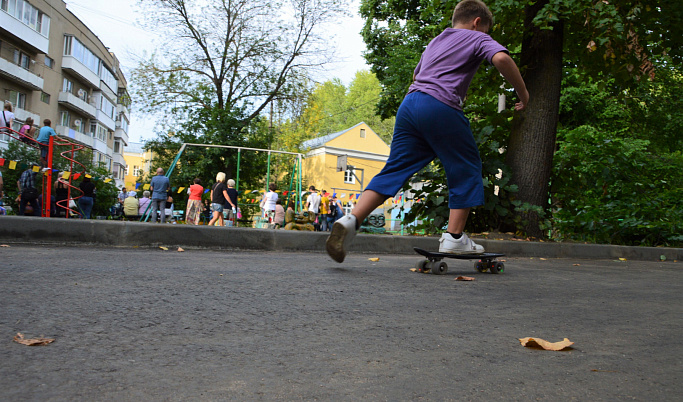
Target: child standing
{"points": [[430, 123]]}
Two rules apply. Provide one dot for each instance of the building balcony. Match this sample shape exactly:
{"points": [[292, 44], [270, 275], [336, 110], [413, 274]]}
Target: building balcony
{"points": [[102, 147], [20, 75], [122, 109], [107, 91], [122, 135], [82, 138], [71, 101], [105, 120], [118, 159], [22, 115], [77, 68], [19, 30]]}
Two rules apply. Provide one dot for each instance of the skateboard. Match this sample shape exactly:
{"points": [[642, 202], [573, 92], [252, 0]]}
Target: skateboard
{"points": [[434, 263]]}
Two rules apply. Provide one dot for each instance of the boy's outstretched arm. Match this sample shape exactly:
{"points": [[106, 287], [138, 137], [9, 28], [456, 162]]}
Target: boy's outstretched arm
{"points": [[507, 67]]}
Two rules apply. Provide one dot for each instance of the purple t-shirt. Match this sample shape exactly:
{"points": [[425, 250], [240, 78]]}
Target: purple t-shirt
{"points": [[449, 63]]}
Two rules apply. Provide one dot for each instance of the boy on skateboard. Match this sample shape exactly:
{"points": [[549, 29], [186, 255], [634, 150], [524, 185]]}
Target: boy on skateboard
{"points": [[430, 123]]}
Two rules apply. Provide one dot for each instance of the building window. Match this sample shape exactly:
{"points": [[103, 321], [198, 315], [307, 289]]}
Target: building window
{"points": [[17, 99], [27, 14], [126, 170], [136, 171], [93, 129], [73, 47], [106, 106], [64, 119], [21, 59], [108, 77], [349, 178], [117, 147], [362, 133], [45, 97], [49, 62], [67, 86]]}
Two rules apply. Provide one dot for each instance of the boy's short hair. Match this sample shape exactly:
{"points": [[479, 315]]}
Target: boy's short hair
{"points": [[467, 10]]}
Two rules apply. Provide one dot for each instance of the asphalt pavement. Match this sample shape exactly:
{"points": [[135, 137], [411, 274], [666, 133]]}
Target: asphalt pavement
{"points": [[143, 323]]}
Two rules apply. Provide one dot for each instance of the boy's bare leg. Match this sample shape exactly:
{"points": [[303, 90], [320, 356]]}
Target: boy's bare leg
{"points": [[457, 220], [367, 203]]}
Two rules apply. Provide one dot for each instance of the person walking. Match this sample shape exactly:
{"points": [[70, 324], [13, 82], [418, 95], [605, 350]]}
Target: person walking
{"points": [[159, 186], [194, 204], [219, 193], [430, 123]]}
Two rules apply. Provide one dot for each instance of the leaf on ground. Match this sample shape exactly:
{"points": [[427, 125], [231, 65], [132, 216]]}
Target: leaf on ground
{"points": [[577, 265], [4, 245], [414, 269], [19, 338], [374, 259], [622, 259], [464, 278], [163, 248], [543, 344], [180, 249]]}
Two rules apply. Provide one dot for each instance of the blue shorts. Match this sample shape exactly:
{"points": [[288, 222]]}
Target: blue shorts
{"points": [[216, 207], [425, 129]]}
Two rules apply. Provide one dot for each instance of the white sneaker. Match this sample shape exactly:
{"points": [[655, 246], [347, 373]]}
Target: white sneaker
{"points": [[343, 232], [463, 245]]}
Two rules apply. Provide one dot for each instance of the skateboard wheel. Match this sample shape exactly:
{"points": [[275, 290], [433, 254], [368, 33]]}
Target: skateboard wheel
{"points": [[480, 267], [497, 267], [422, 265], [439, 267]]}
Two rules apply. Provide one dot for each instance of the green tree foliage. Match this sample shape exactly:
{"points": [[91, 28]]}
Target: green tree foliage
{"points": [[616, 175]]}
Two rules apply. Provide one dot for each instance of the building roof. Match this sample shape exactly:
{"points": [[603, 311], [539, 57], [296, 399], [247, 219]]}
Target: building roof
{"points": [[320, 141], [135, 148]]}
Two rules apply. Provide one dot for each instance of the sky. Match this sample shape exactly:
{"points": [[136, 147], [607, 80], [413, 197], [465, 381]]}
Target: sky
{"points": [[114, 22]]}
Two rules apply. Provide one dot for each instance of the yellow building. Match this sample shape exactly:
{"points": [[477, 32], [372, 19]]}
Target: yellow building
{"points": [[366, 153], [138, 162]]}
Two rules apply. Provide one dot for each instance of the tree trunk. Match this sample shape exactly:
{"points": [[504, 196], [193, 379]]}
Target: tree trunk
{"points": [[532, 141]]}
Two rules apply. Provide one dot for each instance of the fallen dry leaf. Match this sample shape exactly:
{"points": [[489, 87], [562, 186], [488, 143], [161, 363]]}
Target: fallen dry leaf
{"points": [[180, 250], [622, 259], [414, 269], [543, 259], [4, 245], [464, 278], [541, 343], [163, 248], [19, 338], [374, 259]]}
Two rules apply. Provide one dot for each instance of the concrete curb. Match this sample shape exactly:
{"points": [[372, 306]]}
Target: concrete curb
{"points": [[19, 229]]}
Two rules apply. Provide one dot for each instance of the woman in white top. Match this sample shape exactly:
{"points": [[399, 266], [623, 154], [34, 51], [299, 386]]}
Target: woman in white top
{"points": [[6, 117], [268, 202]]}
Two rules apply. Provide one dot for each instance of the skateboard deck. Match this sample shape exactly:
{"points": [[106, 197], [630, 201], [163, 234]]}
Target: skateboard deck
{"points": [[435, 265]]}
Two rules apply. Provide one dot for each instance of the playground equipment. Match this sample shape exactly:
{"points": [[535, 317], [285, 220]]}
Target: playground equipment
{"points": [[46, 205], [296, 171]]}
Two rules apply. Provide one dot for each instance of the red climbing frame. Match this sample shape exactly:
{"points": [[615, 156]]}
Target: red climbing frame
{"points": [[72, 148]]}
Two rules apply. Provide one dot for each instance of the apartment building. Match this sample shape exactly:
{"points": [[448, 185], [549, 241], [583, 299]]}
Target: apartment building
{"points": [[53, 66]]}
